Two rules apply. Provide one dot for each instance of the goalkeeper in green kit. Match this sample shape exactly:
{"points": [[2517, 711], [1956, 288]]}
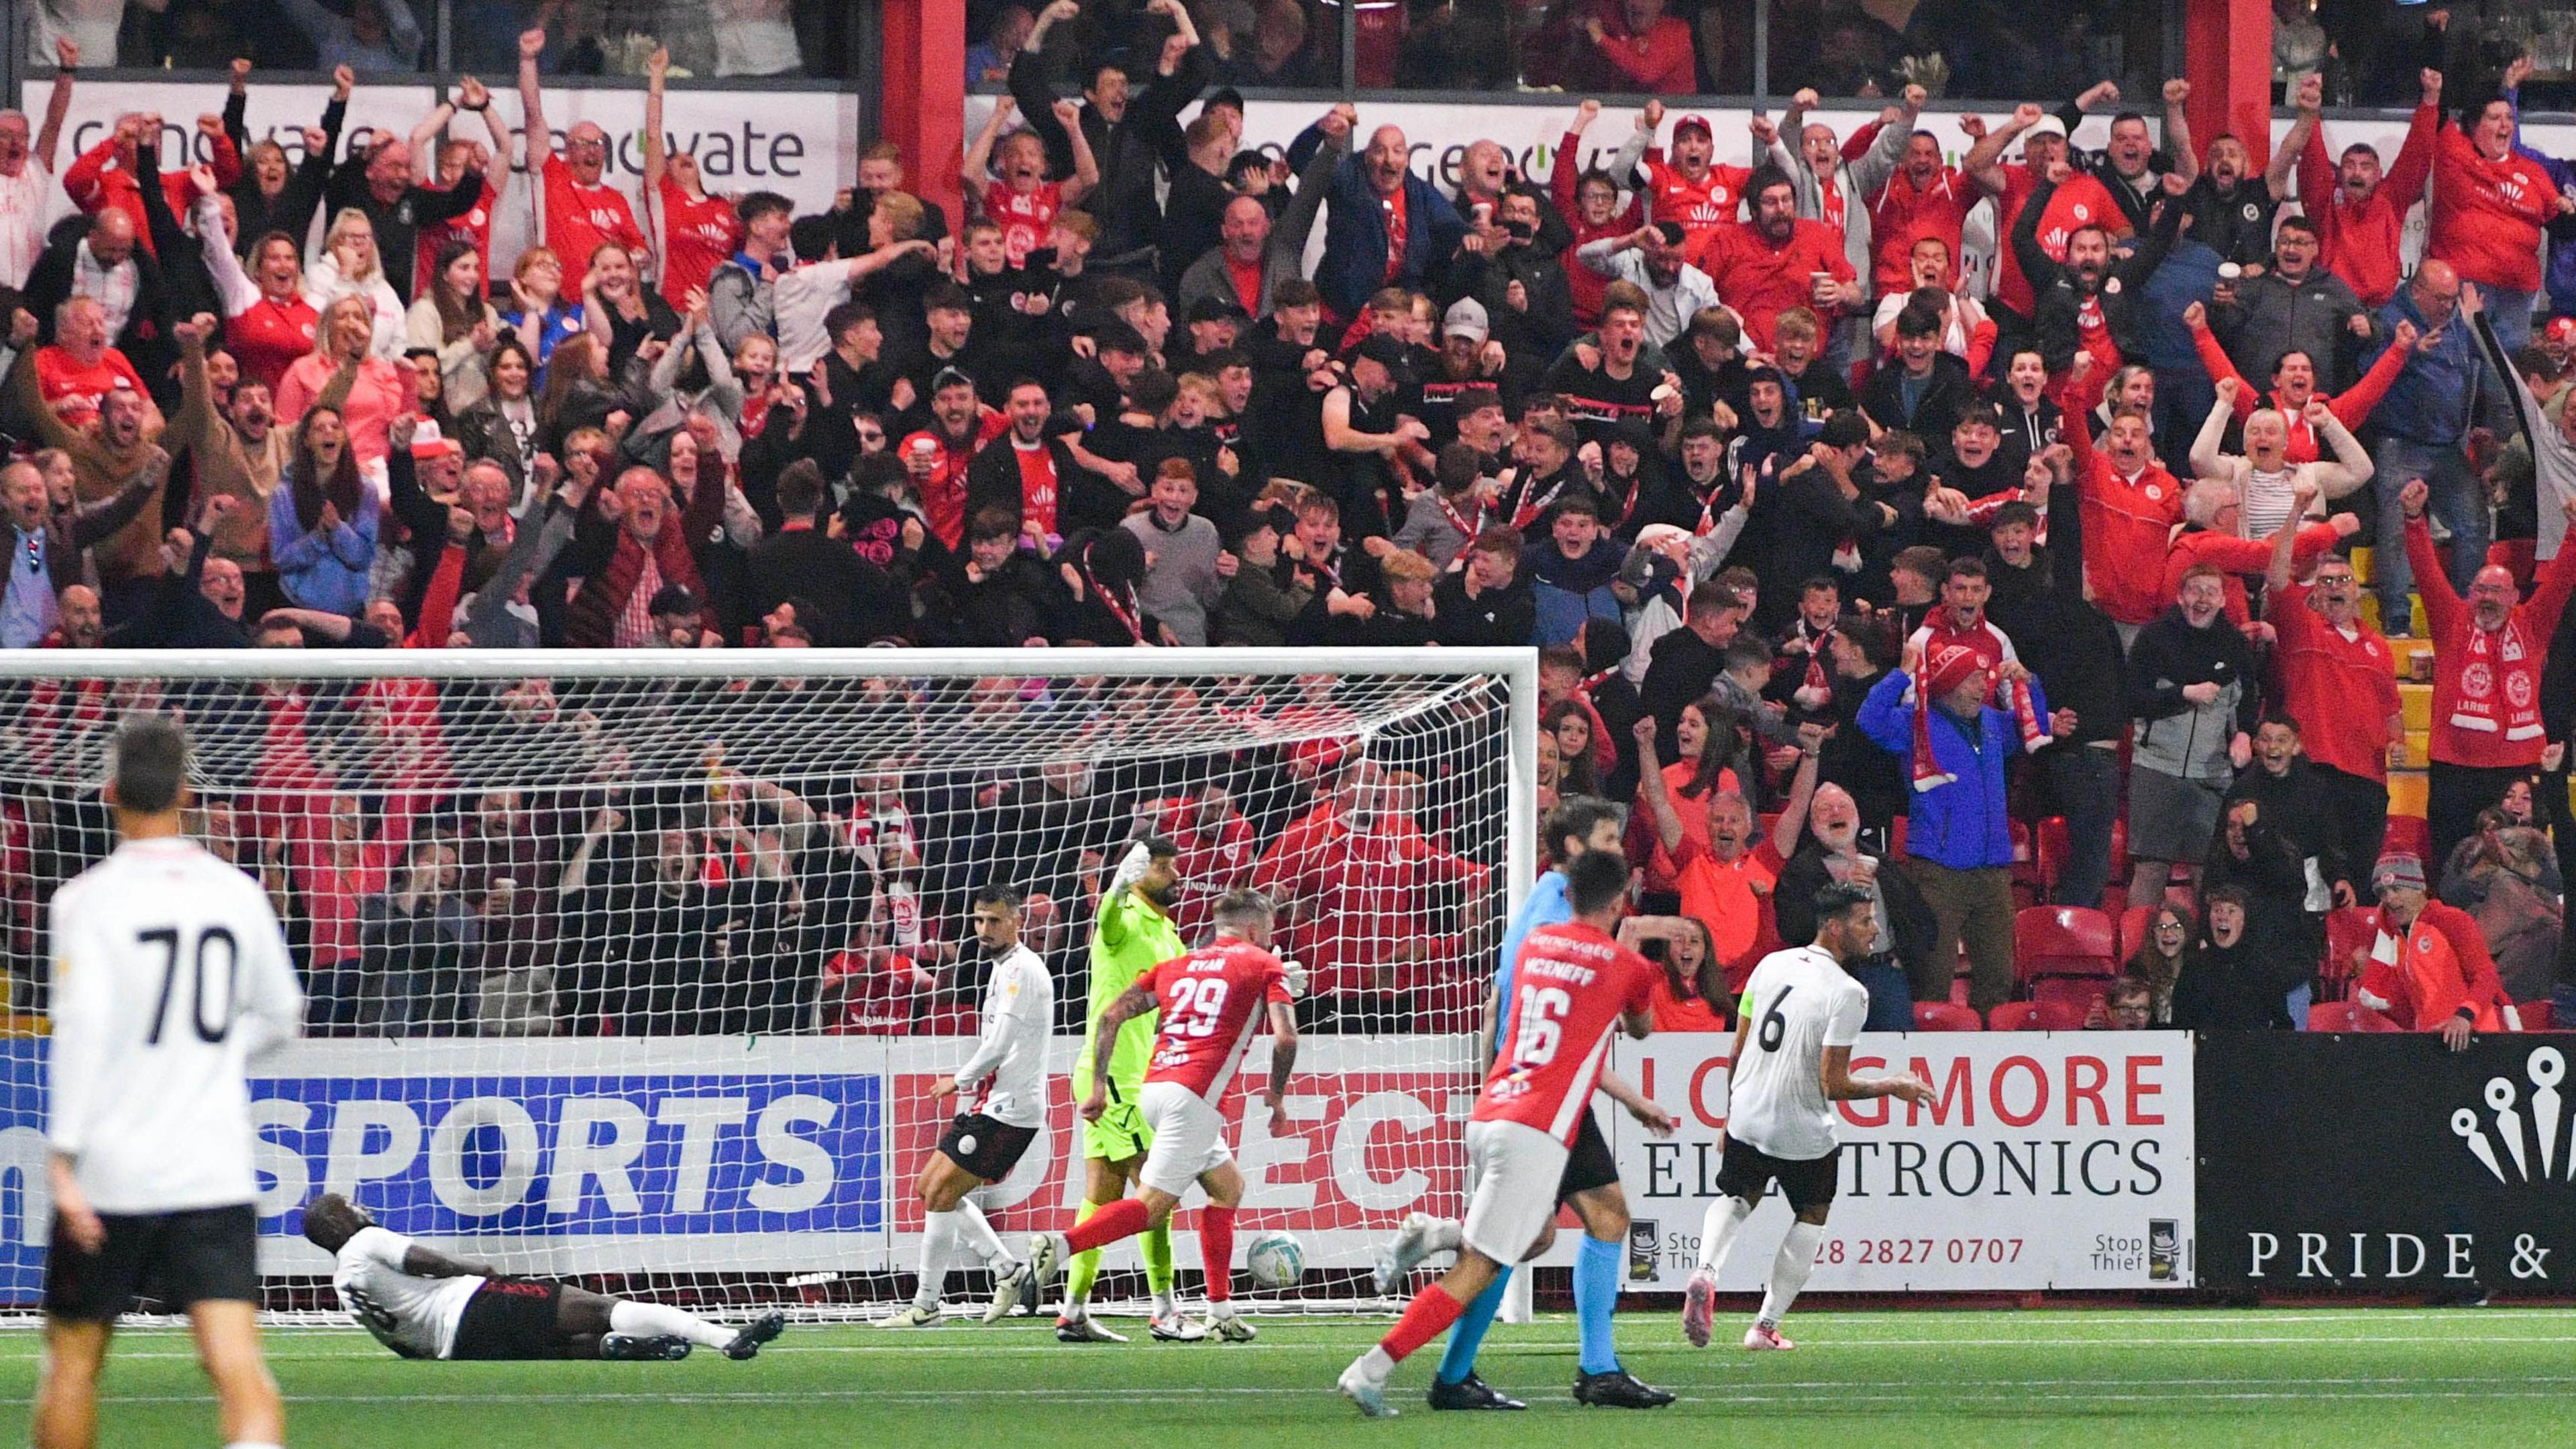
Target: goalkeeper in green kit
{"points": [[1132, 934]]}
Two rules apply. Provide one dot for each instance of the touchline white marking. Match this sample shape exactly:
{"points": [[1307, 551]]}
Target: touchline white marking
{"points": [[1711, 1393]]}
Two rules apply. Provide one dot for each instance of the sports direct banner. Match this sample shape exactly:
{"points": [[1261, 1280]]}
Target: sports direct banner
{"points": [[565, 1156], [718, 1155], [2049, 1160]]}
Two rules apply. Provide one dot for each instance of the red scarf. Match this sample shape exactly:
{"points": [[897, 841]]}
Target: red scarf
{"points": [[1819, 647], [1949, 654], [1127, 616], [2505, 657], [1466, 526], [1529, 510]]}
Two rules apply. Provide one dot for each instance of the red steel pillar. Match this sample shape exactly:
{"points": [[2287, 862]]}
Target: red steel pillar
{"points": [[922, 94], [2227, 57]]}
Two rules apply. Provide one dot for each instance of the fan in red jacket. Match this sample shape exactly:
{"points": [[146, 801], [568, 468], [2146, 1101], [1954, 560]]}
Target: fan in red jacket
{"points": [[2360, 211], [2429, 970], [2488, 655], [2131, 504], [104, 176], [1780, 261], [2489, 205], [1589, 201]]}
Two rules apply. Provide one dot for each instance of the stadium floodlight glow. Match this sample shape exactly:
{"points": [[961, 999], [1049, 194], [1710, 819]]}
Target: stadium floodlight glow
{"points": [[643, 962]]}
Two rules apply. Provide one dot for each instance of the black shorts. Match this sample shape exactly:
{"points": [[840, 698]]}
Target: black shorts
{"points": [[1588, 1163], [512, 1318], [1748, 1171], [984, 1147], [178, 1260]]}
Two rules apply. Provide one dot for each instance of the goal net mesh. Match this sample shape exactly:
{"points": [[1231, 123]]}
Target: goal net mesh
{"points": [[641, 973]]}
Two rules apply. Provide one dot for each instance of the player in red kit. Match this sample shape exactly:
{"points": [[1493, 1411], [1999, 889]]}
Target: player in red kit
{"points": [[1209, 1000], [1571, 986]]}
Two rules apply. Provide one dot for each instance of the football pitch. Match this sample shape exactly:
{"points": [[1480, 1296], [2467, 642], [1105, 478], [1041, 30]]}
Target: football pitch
{"points": [[2489, 1377]]}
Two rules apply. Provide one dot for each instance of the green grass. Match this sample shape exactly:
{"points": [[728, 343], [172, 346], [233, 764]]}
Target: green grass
{"points": [[2172, 1377]]}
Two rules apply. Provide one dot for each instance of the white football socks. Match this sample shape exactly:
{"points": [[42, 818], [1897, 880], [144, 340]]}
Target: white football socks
{"points": [[976, 1232], [938, 1245], [655, 1320], [1717, 1229], [1789, 1270]]}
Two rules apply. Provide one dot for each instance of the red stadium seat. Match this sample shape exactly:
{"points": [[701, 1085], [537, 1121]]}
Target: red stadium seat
{"points": [[2537, 1016], [2410, 835], [2348, 929], [2347, 1016], [2063, 994], [2063, 941], [1945, 1016], [2041, 1015], [2136, 922]]}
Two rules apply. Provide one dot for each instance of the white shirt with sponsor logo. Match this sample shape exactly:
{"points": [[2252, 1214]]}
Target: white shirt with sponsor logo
{"points": [[412, 1315], [1800, 1002], [1019, 1015], [170, 974]]}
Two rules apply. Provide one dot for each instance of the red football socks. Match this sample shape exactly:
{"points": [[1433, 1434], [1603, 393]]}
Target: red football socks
{"points": [[1216, 1250], [1124, 1218], [1427, 1317]]}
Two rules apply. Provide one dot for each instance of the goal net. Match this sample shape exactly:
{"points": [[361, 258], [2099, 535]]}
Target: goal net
{"points": [[639, 967]]}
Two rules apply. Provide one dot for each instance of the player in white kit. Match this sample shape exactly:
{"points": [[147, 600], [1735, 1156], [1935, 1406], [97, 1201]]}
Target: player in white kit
{"points": [[423, 1304], [170, 973], [982, 1146], [1795, 1026]]}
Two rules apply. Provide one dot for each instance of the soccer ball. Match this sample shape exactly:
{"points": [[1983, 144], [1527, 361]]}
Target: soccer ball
{"points": [[1275, 1259]]}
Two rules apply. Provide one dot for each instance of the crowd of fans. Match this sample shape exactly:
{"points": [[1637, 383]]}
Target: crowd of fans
{"points": [[1836, 572]]}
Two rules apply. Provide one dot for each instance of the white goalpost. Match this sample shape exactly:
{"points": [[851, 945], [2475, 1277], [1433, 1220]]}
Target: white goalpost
{"points": [[638, 966]]}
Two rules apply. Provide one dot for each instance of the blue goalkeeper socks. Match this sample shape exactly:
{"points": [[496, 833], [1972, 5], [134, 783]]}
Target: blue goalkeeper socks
{"points": [[1469, 1333], [1596, 1297]]}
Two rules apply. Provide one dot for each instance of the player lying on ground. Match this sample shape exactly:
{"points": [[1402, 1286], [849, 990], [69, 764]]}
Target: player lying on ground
{"points": [[1209, 1000], [1571, 986], [983, 1146], [1801, 1013], [423, 1304]]}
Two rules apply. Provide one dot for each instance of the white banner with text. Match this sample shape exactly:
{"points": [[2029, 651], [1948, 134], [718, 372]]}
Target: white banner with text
{"points": [[2048, 1160]]}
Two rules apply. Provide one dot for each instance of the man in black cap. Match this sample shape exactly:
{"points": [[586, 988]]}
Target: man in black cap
{"points": [[1214, 325]]}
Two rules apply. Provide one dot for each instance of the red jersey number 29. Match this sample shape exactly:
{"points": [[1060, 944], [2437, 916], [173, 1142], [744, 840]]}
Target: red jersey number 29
{"points": [[1542, 1025], [1197, 1006]]}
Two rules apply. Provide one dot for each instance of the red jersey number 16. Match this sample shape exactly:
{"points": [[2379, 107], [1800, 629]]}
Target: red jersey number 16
{"points": [[1542, 1025]]}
